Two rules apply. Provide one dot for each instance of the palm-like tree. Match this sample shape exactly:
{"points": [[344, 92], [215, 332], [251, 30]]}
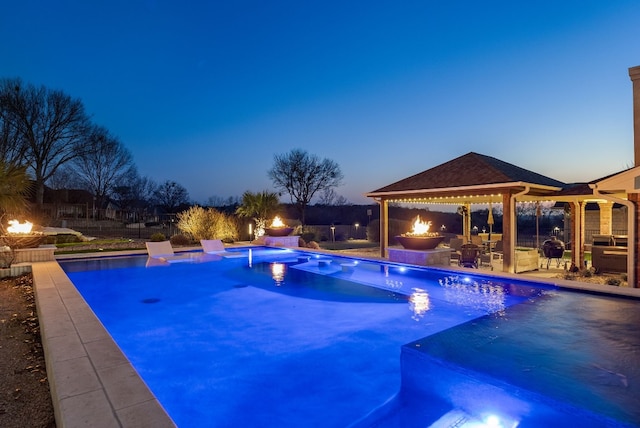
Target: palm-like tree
{"points": [[14, 185], [259, 206]]}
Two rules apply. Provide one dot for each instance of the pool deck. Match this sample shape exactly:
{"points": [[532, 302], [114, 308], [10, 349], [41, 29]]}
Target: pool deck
{"points": [[94, 385]]}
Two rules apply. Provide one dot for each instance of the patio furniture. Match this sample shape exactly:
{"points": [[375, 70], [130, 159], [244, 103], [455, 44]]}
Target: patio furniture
{"points": [[456, 244], [526, 260], [469, 255], [163, 251], [212, 246], [216, 247], [609, 253], [497, 253]]}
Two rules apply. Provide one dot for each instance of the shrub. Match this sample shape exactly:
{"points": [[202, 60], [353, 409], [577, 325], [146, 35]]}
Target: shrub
{"points": [[613, 281], [180, 240], [308, 236], [64, 238], [51, 239], [158, 237], [200, 223], [313, 245]]}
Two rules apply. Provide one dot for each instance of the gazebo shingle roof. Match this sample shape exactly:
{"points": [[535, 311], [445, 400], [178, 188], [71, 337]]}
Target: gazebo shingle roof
{"points": [[472, 169]]}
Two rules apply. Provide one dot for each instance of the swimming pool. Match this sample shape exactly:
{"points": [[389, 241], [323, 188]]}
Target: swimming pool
{"points": [[274, 337]]}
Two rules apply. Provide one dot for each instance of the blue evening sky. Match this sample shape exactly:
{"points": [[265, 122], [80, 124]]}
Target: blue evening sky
{"points": [[204, 93]]}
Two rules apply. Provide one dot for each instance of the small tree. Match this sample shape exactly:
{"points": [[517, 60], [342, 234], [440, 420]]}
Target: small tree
{"points": [[14, 184], [302, 175], [259, 206]]}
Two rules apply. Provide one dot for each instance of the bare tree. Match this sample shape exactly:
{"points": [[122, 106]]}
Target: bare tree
{"points": [[134, 194], [103, 165], [51, 125], [170, 195], [64, 178], [302, 175], [12, 148], [329, 197]]}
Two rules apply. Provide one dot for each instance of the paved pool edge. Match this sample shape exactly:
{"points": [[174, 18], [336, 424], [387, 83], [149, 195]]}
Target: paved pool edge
{"points": [[92, 383]]}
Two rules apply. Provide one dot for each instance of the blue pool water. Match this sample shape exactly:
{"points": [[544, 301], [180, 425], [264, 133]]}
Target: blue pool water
{"points": [[270, 337]]}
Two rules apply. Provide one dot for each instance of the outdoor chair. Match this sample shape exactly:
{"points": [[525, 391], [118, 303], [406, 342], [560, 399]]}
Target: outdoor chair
{"points": [[477, 240], [164, 251], [212, 246], [455, 244], [216, 247], [469, 255], [497, 253]]}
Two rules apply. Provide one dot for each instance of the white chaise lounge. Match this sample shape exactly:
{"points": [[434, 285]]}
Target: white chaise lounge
{"points": [[216, 246], [212, 246], [164, 251]]}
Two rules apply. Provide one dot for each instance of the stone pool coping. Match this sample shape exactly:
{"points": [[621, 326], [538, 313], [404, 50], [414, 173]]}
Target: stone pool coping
{"points": [[94, 385]]}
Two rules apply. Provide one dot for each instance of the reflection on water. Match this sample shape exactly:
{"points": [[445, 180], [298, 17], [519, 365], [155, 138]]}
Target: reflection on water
{"points": [[471, 293], [277, 272], [419, 303]]}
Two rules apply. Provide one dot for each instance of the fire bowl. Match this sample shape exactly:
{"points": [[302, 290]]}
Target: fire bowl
{"points": [[278, 231], [419, 242], [19, 241]]}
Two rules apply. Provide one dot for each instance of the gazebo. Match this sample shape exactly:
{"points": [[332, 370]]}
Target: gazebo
{"points": [[478, 179], [469, 179]]}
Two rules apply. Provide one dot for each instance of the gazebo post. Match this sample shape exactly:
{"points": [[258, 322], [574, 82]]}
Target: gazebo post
{"points": [[577, 234], [508, 233], [384, 227]]}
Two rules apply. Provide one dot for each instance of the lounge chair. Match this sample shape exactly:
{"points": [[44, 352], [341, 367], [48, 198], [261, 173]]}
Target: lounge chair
{"points": [[469, 255], [212, 246], [216, 247], [164, 251]]}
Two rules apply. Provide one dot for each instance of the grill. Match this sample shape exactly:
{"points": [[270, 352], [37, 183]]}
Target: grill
{"points": [[553, 249]]}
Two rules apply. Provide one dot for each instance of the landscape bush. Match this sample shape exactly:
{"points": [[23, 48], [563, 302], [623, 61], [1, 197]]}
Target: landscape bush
{"points": [[313, 245], [158, 237], [179, 239], [308, 236], [200, 223]]}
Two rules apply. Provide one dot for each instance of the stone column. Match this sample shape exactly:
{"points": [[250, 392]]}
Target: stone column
{"points": [[606, 218], [634, 73], [634, 280]]}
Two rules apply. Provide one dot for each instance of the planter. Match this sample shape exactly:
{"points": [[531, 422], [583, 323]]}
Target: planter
{"points": [[278, 231], [419, 242]]}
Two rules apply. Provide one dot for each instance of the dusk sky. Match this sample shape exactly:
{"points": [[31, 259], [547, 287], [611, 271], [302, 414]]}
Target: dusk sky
{"points": [[205, 93]]}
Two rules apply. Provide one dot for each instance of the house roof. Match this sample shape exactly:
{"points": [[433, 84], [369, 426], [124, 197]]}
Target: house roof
{"points": [[472, 173]]}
